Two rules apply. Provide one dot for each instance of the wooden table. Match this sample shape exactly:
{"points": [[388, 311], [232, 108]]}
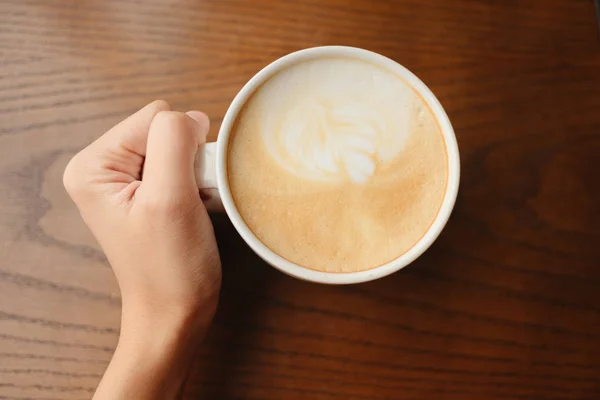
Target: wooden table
{"points": [[505, 305]]}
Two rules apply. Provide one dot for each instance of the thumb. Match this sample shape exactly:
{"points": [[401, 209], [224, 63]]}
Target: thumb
{"points": [[173, 141]]}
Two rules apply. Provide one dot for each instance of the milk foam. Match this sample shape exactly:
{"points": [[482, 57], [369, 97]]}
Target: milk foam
{"points": [[337, 165], [320, 129]]}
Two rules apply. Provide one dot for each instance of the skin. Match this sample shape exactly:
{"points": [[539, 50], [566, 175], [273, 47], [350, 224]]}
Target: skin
{"points": [[136, 191]]}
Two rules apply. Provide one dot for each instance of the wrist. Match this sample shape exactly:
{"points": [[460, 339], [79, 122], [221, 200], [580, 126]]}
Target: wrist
{"points": [[151, 312], [156, 349], [143, 324]]}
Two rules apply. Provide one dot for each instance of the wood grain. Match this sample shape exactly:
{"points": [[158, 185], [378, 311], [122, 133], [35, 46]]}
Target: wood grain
{"points": [[505, 305]]}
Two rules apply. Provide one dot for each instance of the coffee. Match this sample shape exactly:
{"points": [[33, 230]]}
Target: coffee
{"points": [[337, 165]]}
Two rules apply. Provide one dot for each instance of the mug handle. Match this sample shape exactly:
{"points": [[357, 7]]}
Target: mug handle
{"points": [[205, 168]]}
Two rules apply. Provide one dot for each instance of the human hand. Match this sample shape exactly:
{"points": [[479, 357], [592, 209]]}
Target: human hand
{"points": [[135, 188]]}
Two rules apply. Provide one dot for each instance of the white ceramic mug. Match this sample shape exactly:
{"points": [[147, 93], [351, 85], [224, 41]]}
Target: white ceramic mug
{"points": [[211, 167]]}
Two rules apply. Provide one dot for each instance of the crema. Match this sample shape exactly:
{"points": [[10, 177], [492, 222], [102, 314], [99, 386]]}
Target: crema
{"points": [[337, 165]]}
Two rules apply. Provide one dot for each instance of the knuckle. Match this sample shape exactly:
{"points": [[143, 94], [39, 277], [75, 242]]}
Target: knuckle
{"points": [[72, 177], [77, 180]]}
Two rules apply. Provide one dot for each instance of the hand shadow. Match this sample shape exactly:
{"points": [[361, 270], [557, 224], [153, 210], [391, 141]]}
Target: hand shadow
{"points": [[216, 364]]}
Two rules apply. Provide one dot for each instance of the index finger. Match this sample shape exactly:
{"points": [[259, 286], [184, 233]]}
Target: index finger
{"points": [[131, 134]]}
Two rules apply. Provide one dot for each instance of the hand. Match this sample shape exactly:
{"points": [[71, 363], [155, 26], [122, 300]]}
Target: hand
{"points": [[136, 190]]}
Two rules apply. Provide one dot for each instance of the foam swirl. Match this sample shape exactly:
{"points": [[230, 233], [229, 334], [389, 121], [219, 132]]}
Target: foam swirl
{"points": [[337, 165], [326, 130]]}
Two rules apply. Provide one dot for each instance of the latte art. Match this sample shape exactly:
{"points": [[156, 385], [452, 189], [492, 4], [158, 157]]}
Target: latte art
{"points": [[337, 165], [329, 135]]}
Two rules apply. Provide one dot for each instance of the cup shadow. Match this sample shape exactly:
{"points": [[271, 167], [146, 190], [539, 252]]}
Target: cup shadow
{"points": [[246, 348]]}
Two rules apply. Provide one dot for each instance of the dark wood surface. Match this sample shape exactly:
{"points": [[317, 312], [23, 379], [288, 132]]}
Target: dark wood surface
{"points": [[505, 305]]}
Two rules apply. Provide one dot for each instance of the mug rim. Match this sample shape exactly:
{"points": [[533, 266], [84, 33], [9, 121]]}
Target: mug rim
{"points": [[294, 269]]}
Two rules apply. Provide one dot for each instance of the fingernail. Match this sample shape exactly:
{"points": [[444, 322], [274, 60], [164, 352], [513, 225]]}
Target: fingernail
{"points": [[202, 119], [199, 117]]}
